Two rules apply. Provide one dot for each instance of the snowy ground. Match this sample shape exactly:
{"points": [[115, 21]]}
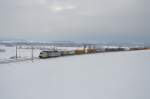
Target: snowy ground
{"points": [[10, 52], [116, 75]]}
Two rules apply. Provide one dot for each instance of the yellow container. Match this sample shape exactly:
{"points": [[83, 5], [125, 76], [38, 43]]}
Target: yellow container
{"points": [[78, 52]]}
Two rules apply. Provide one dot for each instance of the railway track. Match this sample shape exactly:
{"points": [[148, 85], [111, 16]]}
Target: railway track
{"points": [[6, 61]]}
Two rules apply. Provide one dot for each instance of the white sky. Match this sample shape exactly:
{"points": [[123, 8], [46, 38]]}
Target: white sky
{"points": [[70, 19]]}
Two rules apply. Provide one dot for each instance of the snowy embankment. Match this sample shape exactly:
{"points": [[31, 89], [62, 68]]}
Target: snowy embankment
{"points": [[116, 75]]}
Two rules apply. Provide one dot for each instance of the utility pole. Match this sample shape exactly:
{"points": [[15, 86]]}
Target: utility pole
{"points": [[32, 53], [16, 52], [54, 47], [84, 48]]}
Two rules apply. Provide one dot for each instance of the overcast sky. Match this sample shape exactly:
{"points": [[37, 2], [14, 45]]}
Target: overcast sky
{"points": [[75, 19]]}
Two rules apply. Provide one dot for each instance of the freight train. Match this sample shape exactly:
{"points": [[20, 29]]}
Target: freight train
{"points": [[56, 53], [49, 54]]}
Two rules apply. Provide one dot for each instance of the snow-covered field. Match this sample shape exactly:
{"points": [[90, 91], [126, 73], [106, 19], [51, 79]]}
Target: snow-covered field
{"points": [[116, 75], [10, 52]]}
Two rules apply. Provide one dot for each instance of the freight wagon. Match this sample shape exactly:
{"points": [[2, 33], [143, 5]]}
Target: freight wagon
{"points": [[91, 50], [78, 52], [65, 53]]}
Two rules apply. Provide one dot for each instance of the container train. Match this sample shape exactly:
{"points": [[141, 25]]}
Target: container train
{"points": [[56, 53]]}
